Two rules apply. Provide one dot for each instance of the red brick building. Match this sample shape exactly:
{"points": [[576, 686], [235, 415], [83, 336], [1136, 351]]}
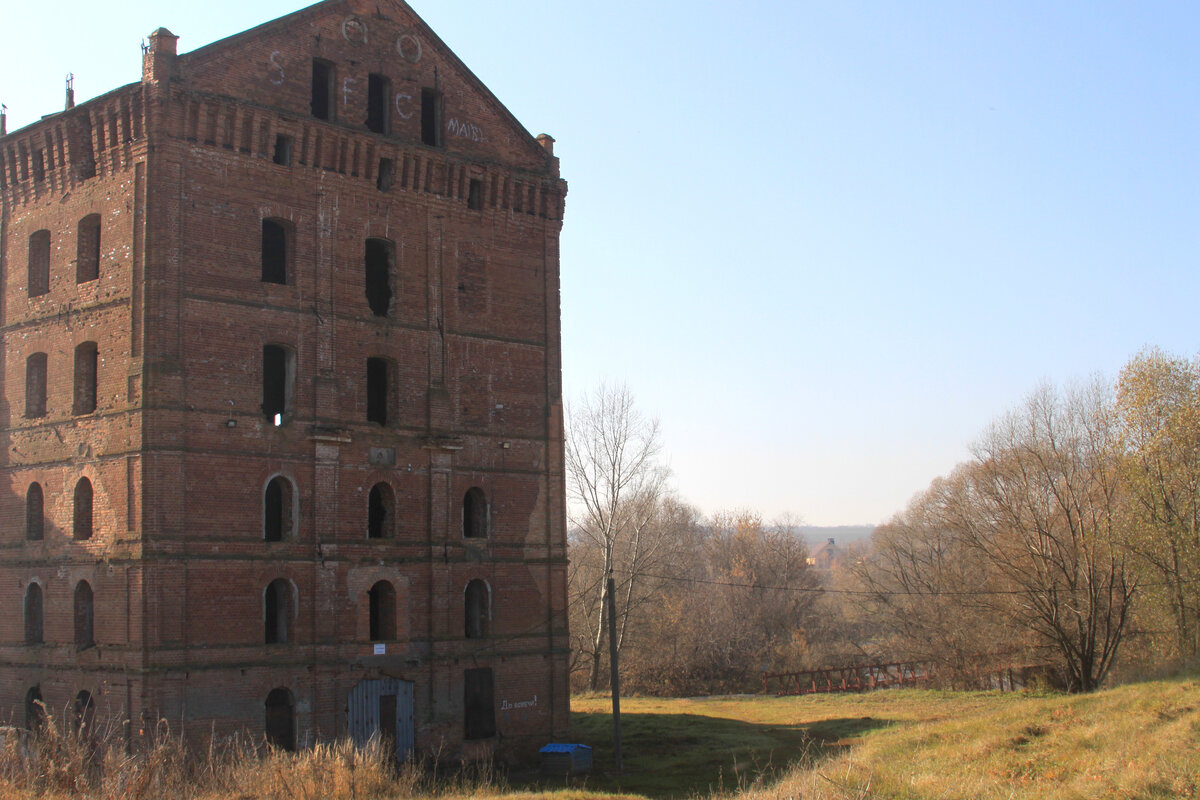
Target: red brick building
{"points": [[281, 408]]}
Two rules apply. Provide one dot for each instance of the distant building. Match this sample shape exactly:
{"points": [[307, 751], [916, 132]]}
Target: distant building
{"points": [[827, 556], [281, 397]]}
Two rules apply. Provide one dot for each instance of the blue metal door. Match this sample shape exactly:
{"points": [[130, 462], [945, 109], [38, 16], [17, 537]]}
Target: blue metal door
{"points": [[387, 696]]}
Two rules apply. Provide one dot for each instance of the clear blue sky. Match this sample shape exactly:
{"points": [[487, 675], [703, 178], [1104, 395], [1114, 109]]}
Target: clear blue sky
{"points": [[826, 243]]}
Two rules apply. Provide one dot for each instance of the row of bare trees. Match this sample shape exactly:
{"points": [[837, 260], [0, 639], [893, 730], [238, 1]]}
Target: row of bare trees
{"points": [[1073, 529]]}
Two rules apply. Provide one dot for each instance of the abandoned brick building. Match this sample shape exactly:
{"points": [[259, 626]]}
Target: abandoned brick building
{"points": [[281, 397]]}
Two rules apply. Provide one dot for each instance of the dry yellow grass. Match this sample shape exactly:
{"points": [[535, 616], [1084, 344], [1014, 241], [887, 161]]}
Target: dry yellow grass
{"points": [[1138, 741]]}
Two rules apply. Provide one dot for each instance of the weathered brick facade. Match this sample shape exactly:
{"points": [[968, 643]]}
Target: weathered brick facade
{"points": [[301, 437]]}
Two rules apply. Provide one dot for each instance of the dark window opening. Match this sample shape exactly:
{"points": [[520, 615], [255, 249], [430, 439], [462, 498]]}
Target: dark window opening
{"points": [[35, 386], [477, 609], [322, 89], [277, 509], [86, 356], [84, 713], [83, 510], [35, 710], [431, 117], [380, 503], [39, 263], [475, 514], [379, 89], [479, 707], [274, 252], [84, 630], [280, 725], [35, 513], [377, 390], [87, 249], [33, 614], [475, 194], [278, 369], [379, 276], [387, 175], [276, 612], [382, 602], [39, 166], [283, 150]]}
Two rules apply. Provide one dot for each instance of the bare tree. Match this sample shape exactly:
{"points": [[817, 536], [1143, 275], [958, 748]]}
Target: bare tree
{"points": [[615, 482], [1041, 503]]}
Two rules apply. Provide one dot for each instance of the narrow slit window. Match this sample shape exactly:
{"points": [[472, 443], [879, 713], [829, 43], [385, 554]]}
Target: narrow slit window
{"points": [[378, 268], [381, 601], [87, 249], [322, 89], [39, 166], [477, 608], [86, 357], [84, 618], [475, 194], [35, 513], [475, 514], [82, 527], [283, 150], [431, 117], [380, 504], [379, 89], [277, 612], [377, 390], [33, 614], [39, 263], [274, 251], [387, 175], [278, 378], [35, 386], [278, 501]]}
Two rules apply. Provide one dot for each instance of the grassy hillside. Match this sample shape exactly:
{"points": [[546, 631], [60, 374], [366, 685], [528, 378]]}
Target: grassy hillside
{"points": [[1139, 741], [1132, 741]]}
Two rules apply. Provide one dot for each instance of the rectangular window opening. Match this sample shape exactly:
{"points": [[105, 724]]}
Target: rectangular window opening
{"points": [[283, 150], [274, 252], [378, 92], [431, 117], [478, 704], [277, 383], [322, 89], [87, 249], [378, 268], [387, 175], [475, 195], [377, 390]]}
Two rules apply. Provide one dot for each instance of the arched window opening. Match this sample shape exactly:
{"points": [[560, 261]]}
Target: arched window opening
{"points": [[85, 714], [377, 390], [35, 386], [378, 274], [382, 602], [478, 611], [479, 705], [84, 630], [35, 513], [87, 249], [380, 504], [279, 376], [274, 252], [33, 614], [278, 516], [280, 725], [39, 263], [277, 608], [35, 710], [475, 514], [83, 509], [86, 357]]}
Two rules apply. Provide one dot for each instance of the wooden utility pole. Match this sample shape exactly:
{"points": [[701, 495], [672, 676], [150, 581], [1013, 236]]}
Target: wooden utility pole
{"points": [[614, 672]]}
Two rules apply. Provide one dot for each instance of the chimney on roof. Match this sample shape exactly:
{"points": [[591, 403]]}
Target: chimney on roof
{"points": [[3, 120], [70, 91], [547, 143], [158, 57]]}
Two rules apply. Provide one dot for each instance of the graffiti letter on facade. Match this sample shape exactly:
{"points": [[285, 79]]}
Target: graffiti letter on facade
{"points": [[274, 55], [347, 90], [399, 97]]}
